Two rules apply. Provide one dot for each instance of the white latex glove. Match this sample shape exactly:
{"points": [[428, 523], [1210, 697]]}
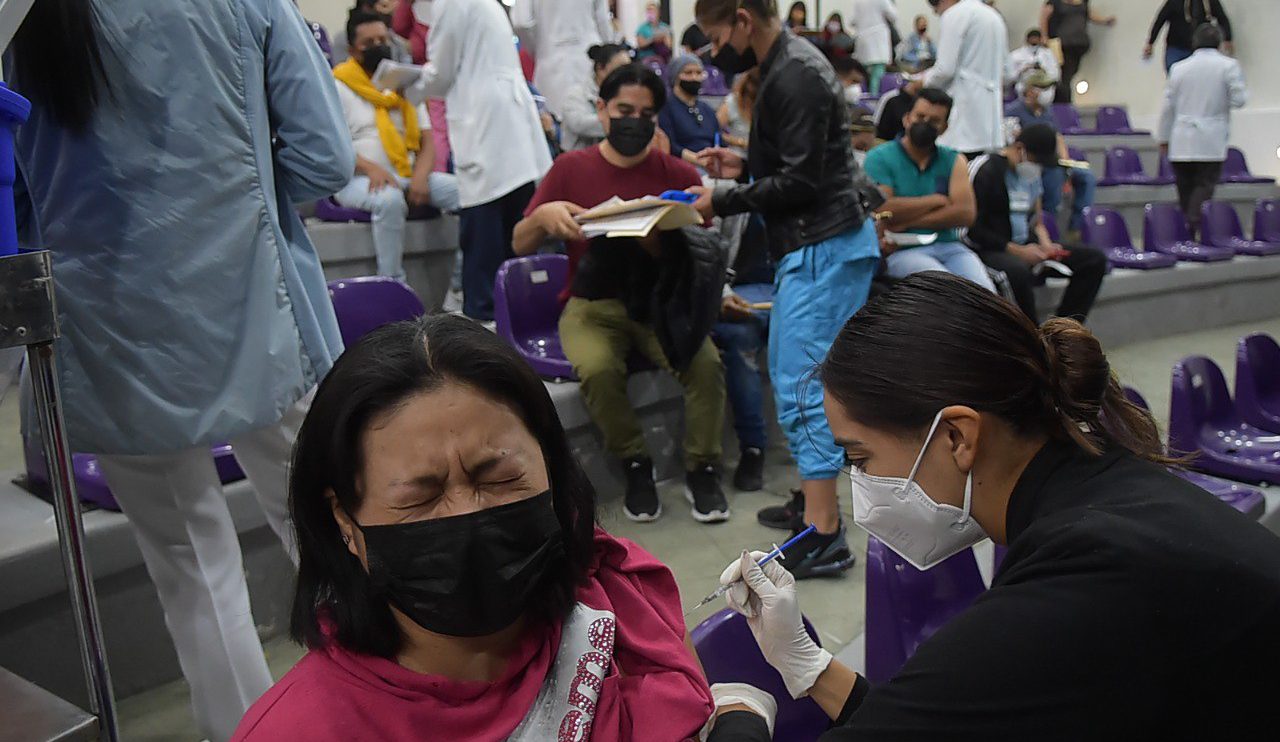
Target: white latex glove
{"points": [[767, 597], [729, 694]]}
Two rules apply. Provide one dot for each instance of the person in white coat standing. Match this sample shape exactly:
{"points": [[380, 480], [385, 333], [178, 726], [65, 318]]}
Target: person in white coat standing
{"points": [[499, 149], [1195, 120], [871, 19], [558, 33], [973, 43]]}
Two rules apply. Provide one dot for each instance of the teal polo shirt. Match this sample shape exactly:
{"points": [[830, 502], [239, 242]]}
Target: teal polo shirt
{"points": [[890, 165]]}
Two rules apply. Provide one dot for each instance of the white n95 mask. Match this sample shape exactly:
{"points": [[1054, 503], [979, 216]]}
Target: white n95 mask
{"points": [[899, 513], [1045, 97]]}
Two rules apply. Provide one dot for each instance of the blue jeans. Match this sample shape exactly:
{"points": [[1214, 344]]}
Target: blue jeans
{"points": [[817, 289], [1083, 182], [951, 257], [388, 209], [740, 344], [1173, 55]]}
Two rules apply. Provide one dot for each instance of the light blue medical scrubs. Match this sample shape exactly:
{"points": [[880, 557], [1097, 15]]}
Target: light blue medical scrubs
{"points": [[817, 288], [191, 301]]}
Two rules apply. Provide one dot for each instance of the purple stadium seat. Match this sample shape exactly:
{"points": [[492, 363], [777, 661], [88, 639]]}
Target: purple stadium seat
{"points": [[322, 39], [906, 606], [328, 210], [1067, 119], [1124, 167], [1204, 421], [1220, 227], [729, 654], [1258, 381], [715, 83], [367, 303], [1266, 220], [890, 81], [655, 64], [1245, 499], [1077, 154], [1050, 223], [1114, 120], [1236, 170], [1164, 175], [1164, 229], [526, 310], [1105, 229]]}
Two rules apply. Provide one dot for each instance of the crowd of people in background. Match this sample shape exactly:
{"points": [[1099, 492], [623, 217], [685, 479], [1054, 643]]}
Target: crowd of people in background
{"points": [[817, 180]]}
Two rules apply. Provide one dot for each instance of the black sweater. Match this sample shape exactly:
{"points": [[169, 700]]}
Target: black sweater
{"points": [[1175, 12], [1132, 605], [991, 230]]}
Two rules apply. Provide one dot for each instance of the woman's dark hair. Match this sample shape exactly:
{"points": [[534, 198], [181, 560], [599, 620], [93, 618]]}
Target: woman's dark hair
{"points": [[800, 6], [936, 339], [722, 11], [376, 376], [58, 62], [837, 18], [634, 74], [602, 54]]}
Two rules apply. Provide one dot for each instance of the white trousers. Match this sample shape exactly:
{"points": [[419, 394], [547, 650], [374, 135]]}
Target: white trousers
{"points": [[180, 518]]}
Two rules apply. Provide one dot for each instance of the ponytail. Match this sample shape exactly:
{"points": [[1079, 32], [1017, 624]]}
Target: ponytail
{"points": [[937, 339]]}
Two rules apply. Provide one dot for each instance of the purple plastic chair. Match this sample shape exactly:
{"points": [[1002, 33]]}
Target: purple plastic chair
{"points": [[1050, 223], [1105, 229], [1114, 120], [1067, 119], [1220, 227], [1258, 381], [329, 210], [1266, 220], [729, 654], [906, 606], [526, 310], [322, 39], [367, 303], [1236, 170], [715, 84], [1204, 421], [1124, 167], [1164, 229], [1164, 174], [890, 81], [1245, 499], [1077, 154]]}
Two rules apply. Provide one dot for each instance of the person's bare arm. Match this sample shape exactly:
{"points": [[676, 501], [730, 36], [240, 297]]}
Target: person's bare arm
{"points": [[1046, 12], [960, 209], [553, 219], [1063, 154], [832, 688], [907, 210]]}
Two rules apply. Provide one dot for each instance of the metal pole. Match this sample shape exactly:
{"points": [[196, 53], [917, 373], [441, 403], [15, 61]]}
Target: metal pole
{"points": [[66, 505], [28, 316]]}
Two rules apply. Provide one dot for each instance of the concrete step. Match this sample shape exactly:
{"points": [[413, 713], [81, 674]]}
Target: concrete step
{"points": [[1129, 200], [430, 248]]}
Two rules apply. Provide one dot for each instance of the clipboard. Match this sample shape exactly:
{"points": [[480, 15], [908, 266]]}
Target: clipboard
{"points": [[392, 75]]}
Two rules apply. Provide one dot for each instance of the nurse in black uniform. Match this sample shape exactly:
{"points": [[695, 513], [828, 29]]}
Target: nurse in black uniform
{"points": [[1132, 605]]}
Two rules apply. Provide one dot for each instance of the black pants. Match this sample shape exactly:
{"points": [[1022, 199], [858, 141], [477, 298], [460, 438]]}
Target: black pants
{"points": [[1087, 265], [1071, 56], [1196, 181], [484, 231]]}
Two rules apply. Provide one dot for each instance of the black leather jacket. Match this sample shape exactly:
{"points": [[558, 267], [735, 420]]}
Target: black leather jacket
{"points": [[800, 160]]}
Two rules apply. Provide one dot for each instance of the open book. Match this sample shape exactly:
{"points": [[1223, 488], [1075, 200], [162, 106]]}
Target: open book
{"points": [[636, 218]]}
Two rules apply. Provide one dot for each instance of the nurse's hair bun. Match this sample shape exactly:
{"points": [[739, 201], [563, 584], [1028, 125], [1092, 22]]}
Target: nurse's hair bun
{"points": [[1087, 398]]}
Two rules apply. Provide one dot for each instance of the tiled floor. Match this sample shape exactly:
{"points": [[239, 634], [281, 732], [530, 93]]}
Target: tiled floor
{"points": [[697, 553]]}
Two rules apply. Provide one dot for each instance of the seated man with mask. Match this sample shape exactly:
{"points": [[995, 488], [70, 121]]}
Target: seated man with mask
{"points": [[1035, 106], [395, 156], [1009, 236], [926, 187], [453, 584], [609, 288]]}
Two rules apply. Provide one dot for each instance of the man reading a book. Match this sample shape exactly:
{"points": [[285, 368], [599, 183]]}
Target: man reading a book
{"points": [[395, 156], [609, 285]]}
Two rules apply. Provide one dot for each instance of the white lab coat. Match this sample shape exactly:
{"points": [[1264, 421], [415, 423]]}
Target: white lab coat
{"points": [[1027, 57], [1195, 120], [558, 33], [871, 19], [972, 46], [494, 131]]}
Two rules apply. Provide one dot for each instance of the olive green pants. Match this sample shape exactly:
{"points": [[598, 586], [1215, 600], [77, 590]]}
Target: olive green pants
{"points": [[597, 337]]}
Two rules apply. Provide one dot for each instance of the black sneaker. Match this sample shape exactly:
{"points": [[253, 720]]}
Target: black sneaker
{"points": [[818, 555], [641, 503], [749, 476], [789, 517], [702, 489]]}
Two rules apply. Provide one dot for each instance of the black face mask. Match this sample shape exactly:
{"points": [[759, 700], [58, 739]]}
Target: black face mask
{"points": [[466, 575], [730, 61], [373, 55], [691, 87], [923, 134], [630, 135]]}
